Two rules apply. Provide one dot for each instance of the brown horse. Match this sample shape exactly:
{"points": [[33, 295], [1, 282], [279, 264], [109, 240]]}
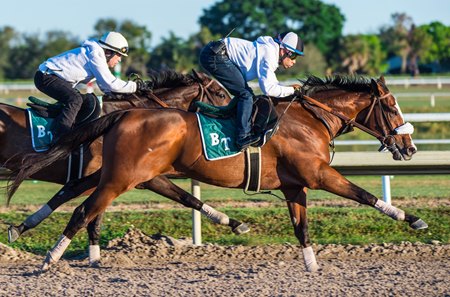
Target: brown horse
{"points": [[171, 89], [142, 144]]}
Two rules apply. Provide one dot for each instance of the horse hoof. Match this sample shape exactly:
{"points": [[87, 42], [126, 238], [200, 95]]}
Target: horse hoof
{"points": [[241, 229], [13, 233], [47, 262], [45, 267], [419, 224], [94, 264], [312, 268]]}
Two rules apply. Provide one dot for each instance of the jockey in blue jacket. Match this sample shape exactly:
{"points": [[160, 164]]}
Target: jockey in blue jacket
{"points": [[58, 76], [234, 62]]}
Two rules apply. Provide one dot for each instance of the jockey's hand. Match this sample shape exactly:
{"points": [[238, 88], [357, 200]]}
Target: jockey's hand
{"points": [[144, 86], [297, 89]]}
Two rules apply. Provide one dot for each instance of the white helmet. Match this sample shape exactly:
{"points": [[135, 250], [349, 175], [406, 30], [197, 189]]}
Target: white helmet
{"points": [[291, 42], [114, 41]]}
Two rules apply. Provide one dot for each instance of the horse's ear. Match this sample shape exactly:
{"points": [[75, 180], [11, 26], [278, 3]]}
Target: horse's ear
{"points": [[196, 75], [375, 87], [383, 80]]}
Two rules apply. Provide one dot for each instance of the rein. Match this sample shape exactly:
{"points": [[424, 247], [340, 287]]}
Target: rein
{"points": [[152, 96], [352, 122], [204, 90]]}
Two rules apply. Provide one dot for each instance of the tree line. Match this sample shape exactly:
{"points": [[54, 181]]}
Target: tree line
{"points": [[320, 25]]}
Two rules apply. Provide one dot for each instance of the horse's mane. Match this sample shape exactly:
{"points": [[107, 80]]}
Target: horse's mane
{"points": [[313, 84], [162, 80], [169, 79]]}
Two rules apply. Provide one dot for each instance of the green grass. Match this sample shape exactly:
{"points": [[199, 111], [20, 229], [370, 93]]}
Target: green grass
{"points": [[268, 226], [411, 187], [344, 225]]}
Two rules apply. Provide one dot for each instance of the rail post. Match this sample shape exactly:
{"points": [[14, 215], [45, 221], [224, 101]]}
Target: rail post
{"points": [[386, 185], [196, 215]]}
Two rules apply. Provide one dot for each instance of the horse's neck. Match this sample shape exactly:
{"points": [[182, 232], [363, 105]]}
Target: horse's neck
{"points": [[348, 104]]}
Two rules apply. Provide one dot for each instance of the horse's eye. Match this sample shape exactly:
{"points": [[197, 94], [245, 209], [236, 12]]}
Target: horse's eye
{"points": [[221, 95]]}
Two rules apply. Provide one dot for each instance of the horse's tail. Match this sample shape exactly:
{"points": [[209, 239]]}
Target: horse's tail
{"points": [[33, 162]]}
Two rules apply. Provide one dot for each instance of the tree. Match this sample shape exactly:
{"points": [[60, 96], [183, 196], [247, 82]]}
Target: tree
{"points": [[395, 38], [24, 57], [361, 54], [7, 34], [317, 23], [354, 53], [171, 53], [439, 50], [420, 43]]}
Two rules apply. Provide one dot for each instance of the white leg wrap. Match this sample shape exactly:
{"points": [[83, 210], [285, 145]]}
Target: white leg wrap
{"points": [[310, 259], [94, 254], [214, 215], [33, 220], [391, 211], [57, 251]]}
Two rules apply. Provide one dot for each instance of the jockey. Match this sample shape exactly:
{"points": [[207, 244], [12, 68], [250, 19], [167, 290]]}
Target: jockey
{"points": [[234, 62], [58, 76]]}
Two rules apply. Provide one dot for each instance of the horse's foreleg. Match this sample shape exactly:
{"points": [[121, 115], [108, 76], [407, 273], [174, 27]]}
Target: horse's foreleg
{"points": [[163, 186], [93, 229], [68, 192], [93, 206], [296, 202], [332, 181]]}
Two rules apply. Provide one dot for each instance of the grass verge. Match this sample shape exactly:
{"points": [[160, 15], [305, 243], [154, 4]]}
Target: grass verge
{"points": [[268, 226]]}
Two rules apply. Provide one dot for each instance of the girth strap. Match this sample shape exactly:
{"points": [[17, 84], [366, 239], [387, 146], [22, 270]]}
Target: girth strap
{"points": [[253, 160]]}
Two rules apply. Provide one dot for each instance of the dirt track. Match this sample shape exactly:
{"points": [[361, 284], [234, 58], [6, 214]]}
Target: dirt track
{"points": [[139, 265]]}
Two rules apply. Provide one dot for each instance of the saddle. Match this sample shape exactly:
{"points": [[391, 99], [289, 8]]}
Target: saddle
{"points": [[264, 118], [90, 109]]}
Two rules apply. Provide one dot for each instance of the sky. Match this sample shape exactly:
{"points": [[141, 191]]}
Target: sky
{"points": [[181, 16]]}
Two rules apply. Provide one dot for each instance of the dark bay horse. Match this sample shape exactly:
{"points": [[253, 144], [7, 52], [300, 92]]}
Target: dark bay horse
{"points": [[142, 144], [171, 90]]}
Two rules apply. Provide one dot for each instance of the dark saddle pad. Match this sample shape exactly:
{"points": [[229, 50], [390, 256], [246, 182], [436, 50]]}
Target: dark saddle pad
{"points": [[90, 109], [264, 118]]}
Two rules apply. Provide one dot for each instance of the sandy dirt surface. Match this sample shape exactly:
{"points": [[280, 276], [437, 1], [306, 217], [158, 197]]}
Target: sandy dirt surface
{"points": [[141, 265]]}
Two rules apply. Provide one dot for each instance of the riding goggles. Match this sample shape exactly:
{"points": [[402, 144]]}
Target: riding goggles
{"points": [[292, 52]]}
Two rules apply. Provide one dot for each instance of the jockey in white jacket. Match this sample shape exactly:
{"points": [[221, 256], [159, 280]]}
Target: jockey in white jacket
{"points": [[58, 76], [234, 62]]}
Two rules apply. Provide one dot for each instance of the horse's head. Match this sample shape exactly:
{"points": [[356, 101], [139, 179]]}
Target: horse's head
{"points": [[384, 116]]}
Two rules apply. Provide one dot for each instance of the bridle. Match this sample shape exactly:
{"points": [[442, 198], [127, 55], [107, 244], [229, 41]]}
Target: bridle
{"points": [[387, 139]]}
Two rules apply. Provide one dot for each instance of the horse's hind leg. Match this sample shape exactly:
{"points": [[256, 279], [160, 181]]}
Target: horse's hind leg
{"points": [[332, 181], [163, 186], [296, 202], [68, 192]]}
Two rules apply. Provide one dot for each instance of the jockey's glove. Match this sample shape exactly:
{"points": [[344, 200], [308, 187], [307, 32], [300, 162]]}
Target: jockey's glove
{"points": [[297, 90], [144, 86]]}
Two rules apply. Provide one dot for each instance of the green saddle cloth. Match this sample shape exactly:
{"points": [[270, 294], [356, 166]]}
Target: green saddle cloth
{"points": [[41, 136], [218, 111], [218, 137]]}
